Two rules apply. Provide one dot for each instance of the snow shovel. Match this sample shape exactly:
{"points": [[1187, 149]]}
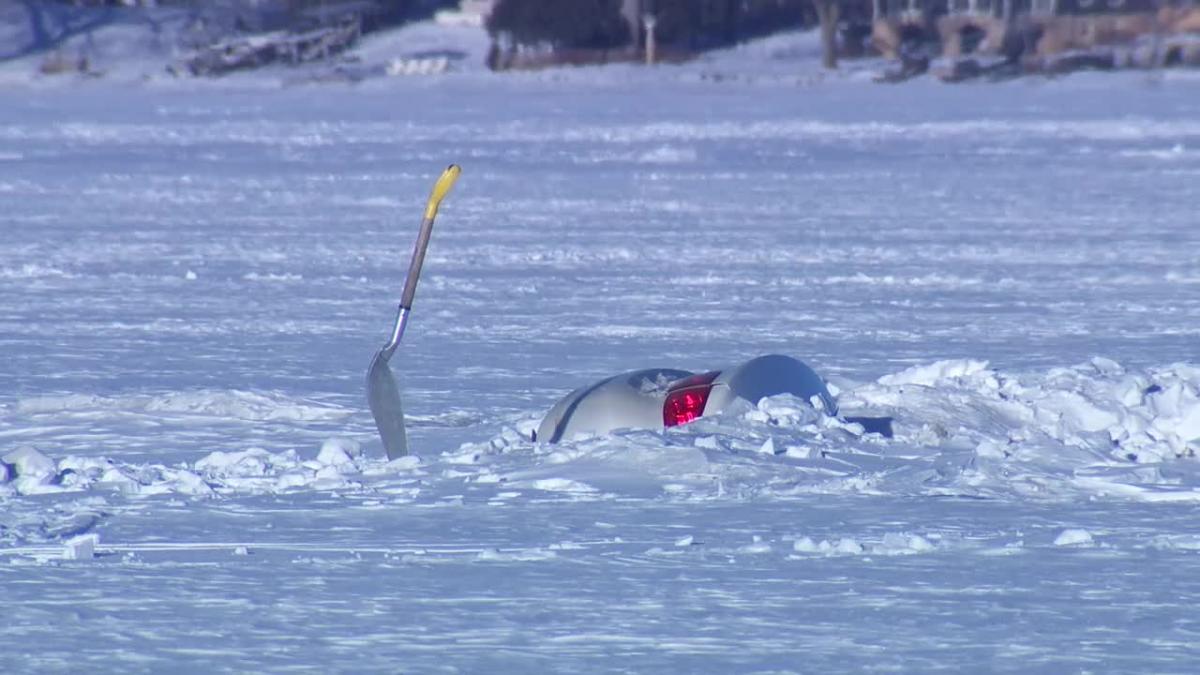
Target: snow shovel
{"points": [[382, 393]]}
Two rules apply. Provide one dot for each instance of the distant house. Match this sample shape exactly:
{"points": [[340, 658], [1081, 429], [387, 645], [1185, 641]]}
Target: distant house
{"points": [[901, 26], [1062, 25], [1032, 28]]}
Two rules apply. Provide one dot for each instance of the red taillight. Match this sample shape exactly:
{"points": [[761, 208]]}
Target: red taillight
{"points": [[685, 401], [684, 406]]}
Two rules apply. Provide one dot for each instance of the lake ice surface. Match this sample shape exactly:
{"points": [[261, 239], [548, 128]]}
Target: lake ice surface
{"points": [[193, 280]]}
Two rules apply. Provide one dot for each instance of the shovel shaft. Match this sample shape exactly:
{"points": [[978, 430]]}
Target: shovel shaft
{"points": [[440, 189], [397, 332], [414, 267]]}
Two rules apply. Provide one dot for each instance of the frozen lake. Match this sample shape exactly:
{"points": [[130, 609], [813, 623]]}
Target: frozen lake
{"points": [[193, 280]]}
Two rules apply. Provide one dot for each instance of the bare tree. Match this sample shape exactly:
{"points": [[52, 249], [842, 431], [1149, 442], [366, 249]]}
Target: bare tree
{"points": [[828, 13], [52, 24]]}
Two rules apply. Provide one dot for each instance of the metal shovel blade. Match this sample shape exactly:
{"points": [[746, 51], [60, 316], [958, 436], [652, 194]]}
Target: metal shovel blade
{"points": [[384, 398]]}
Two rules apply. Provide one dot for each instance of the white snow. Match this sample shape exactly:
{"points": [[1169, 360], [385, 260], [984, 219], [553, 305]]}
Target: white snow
{"points": [[934, 373], [1074, 537], [82, 547], [195, 274], [30, 471]]}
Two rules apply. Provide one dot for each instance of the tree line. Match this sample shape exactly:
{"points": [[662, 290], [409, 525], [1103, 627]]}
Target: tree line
{"points": [[607, 24]]}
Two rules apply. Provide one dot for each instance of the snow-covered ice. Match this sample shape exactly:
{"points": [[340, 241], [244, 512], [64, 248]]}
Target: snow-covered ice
{"points": [[194, 277]]}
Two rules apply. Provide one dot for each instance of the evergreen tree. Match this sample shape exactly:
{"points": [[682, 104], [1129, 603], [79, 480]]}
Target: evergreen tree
{"points": [[594, 24]]}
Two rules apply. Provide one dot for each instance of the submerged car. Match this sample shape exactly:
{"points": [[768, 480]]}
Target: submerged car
{"points": [[667, 397]]}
